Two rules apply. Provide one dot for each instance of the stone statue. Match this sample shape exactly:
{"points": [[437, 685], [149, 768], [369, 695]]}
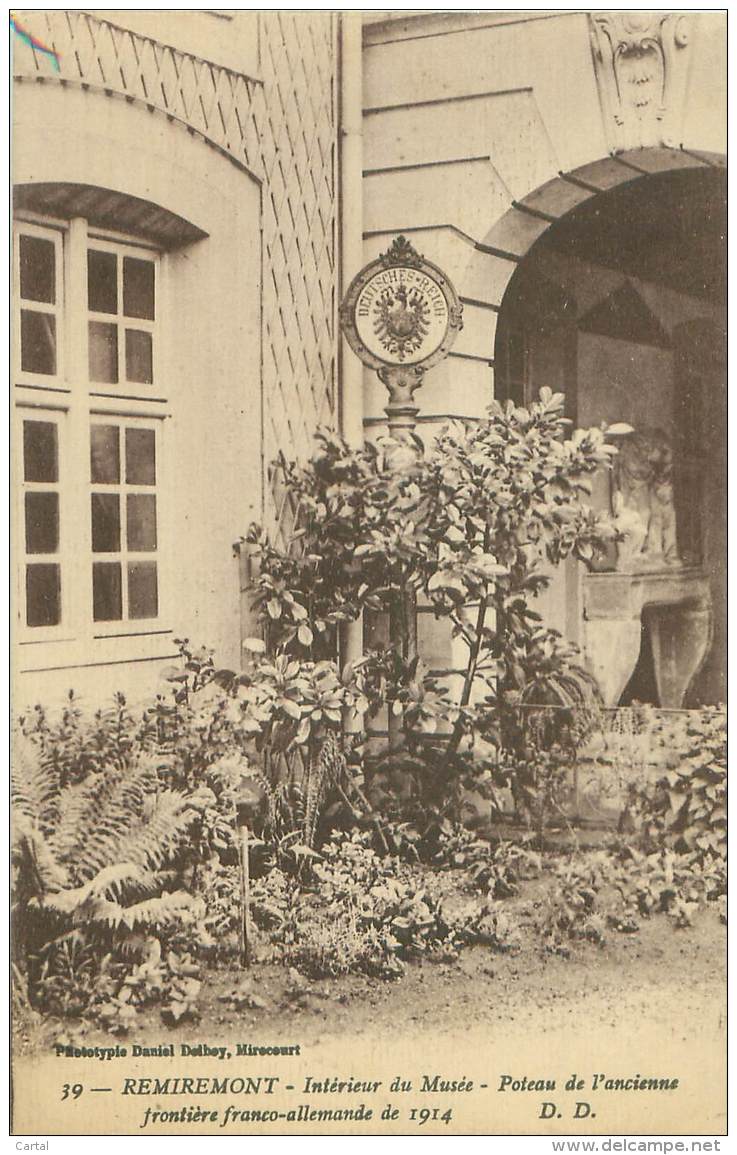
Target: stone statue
{"points": [[643, 502]]}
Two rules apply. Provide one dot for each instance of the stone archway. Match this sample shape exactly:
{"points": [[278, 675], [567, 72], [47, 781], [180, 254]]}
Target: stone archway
{"points": [[614, 340]]}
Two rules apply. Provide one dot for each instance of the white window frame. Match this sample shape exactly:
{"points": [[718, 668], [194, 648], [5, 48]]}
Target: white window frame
{"points": [[25, 376], [73, 402], [124, 387], [63, 557], [127, 626]]}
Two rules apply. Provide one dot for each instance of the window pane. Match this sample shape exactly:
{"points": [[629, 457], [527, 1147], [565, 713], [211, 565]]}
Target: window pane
{"points": [[43, 595], [107, 602], [105, 522], [141, 522], [104, 352], [102, 281], [37, 269], [138, 288], [42, 522], [140, 457], [143, 594], [40, 451], [104, 454], [138, 356], [37, 342], [434, 641]]}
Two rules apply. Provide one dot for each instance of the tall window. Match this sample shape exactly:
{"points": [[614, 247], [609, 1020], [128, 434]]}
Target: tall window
{"points": [[90, 402]]}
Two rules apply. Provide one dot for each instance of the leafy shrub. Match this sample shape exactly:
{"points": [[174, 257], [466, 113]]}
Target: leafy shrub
{"points": [[32, 1031], [470, 523], [616, 889], [219, 887], [185, 732], [68, 977], [121, 991], [363, 912]]}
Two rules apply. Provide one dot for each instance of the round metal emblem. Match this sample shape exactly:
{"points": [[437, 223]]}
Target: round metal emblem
{"points": [[401, 310]]}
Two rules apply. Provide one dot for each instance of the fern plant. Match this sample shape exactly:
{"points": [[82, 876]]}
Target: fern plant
{"points": [[90, 857]]}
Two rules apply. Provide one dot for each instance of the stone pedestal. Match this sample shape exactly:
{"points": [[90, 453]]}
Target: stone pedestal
{"points": [[679, 619]]}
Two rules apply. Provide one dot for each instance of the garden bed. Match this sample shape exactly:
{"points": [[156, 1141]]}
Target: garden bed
{"points": [[629, 977]]}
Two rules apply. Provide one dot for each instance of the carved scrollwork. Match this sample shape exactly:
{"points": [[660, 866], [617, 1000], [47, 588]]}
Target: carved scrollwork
{"points": [[641, 61]]}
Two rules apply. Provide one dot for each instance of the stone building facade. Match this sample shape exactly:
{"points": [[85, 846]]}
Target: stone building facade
{"points": [[193, 192]]}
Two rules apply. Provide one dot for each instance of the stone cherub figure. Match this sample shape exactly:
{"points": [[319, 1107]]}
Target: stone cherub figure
{"points": [[643, 502]]}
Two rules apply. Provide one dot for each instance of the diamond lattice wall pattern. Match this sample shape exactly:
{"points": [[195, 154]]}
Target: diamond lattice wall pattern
{"points": [[297, 132]]}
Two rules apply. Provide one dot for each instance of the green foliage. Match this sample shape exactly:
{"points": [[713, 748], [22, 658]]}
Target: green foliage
{"points": [[361, 912], [476, 514], [365, 530], [328, 947], [497, 870], [185, 731], [383, 893], [670, 883], [76, 742], [90, 858], [283, 704], [32, 1031], [488, 923], [277, 721], [571, 909], [609, 888], [685, 809], [75, 983], [183, 991]]}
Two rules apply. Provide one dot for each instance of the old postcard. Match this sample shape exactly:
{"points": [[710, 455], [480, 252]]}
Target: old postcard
{"points": [[369, 549]]}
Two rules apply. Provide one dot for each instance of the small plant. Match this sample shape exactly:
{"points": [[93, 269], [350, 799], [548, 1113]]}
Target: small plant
{"points": [[75, 743], [488, 923], [498, 869], [182, 990], [67, 980], [276, 904], [122, 990], [572, 909], [32, 1031], [332, 946]]}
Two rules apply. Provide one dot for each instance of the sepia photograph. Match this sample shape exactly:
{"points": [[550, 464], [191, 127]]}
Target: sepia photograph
{"points": [[368, 572]]}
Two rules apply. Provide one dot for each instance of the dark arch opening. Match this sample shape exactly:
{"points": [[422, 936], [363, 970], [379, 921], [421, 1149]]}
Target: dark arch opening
{"points": [[620, 305], [666, 230]]}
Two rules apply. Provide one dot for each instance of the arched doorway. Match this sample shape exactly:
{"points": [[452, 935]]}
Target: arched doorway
{"points": [[619, 304]]}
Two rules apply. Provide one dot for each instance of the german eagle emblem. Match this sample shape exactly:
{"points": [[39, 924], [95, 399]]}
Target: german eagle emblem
{"points": [[401, 320]]}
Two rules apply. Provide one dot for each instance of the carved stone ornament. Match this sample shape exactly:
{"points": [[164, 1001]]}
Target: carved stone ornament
{"points": [[401, 311], [641, 63], [643, 505]]}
